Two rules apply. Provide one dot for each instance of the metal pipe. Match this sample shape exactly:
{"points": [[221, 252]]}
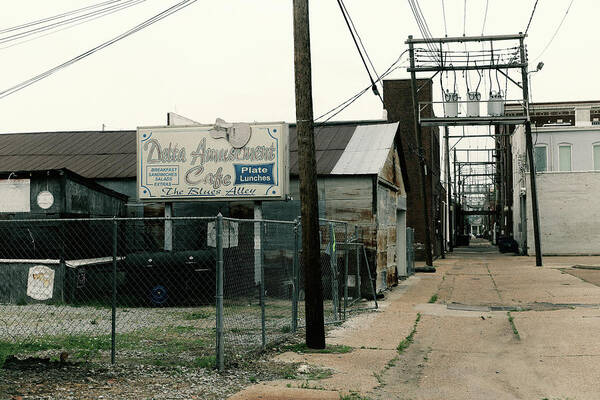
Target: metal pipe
{"points": [[295, 280], [346, 271], [113, 330], [219, 295], [334, 275], [263, 316]]}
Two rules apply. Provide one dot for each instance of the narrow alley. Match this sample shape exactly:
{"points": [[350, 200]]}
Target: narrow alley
{"points": [[485, 325], [502, 328]]}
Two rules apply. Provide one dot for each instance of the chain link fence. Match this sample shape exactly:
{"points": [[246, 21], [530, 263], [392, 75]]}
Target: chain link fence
{"points": [[167, 291]]}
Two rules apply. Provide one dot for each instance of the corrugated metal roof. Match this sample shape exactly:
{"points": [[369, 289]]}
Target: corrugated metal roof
{"points": [[92, 154], [112, 154], [367, 150], [331, 141]]}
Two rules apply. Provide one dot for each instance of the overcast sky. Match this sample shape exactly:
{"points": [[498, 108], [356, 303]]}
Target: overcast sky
{"points": [[234, 58]]}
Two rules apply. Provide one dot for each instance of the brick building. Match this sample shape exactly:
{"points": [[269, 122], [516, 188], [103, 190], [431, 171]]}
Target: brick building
{"points": [[397, 98]]}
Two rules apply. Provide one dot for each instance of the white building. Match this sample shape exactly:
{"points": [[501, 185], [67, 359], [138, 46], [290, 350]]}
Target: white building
{"points": [[566, 140]]}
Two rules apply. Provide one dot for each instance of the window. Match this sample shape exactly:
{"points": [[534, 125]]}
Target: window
{"points": [[597, 157], [564, 157], [540, 158]]}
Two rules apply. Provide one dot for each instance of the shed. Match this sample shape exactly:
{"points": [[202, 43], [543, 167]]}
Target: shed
{"points": [[361, 181], [44, 195]]}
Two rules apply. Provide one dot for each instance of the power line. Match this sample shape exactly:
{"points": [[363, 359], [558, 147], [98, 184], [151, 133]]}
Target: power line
{"points": [[424, 28], [487, 3], [354, 34], [163, 14], [65, 14], [69, 25], [531, 16], [556, 31], [345, 104], [444, 14], [87, 16], [465, 19], [360, 40]]}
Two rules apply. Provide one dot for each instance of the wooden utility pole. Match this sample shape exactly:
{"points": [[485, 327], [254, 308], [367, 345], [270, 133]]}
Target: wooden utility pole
{"points": [[307, 166]]}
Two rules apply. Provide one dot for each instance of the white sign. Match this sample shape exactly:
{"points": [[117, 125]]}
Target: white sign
{"points": [[45, 199], [213, 162], [14, 195], [230, 234], [40, 283]]}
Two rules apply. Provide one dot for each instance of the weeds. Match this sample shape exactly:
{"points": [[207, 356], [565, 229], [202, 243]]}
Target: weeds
{"points": [[207, 362], [197, 315], [331, 349], [353, 396], [511, 321], [409, 339]]}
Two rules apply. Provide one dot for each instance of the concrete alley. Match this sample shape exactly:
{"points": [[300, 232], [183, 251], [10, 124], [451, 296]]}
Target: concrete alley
{"points": [[484, 326]]}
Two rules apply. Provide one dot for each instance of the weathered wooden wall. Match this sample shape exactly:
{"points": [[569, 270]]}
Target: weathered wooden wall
{"points": [[83, 200], [389, 187]]}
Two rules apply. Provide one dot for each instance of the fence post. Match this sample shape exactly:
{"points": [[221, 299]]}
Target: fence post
{"points": [[295, 287], [346, 250], [334, 276], [370, 277], [114, 294], [358, 282], [262, 289], [219, 295]]}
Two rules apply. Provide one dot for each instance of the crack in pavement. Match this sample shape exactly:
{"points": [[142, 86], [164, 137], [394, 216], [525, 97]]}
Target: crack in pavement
{"points": [[537, 306], [487, 266]]}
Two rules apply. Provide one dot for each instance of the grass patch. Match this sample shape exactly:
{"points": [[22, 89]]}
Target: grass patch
{"points": [[80, 346], [192, 316], [433, 298], [353, 396], [407, 341], [208, 362], [319, 373], [331, 349], [285, 329], [162, 346], [511, 321]]}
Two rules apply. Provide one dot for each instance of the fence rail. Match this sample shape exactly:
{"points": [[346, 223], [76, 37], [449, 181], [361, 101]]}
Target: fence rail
{"points": [[106, 289]]}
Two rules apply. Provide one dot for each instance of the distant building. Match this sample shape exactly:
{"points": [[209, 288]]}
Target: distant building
{"points": [[397, 97], [566, 139]]}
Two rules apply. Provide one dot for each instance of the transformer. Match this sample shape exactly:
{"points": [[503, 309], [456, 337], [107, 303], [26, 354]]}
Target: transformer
{"points": [[496, 103]]}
